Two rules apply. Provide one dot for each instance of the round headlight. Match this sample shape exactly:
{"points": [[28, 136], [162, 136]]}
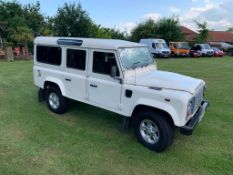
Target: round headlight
{"points": [[190, 108], [204, 90]]}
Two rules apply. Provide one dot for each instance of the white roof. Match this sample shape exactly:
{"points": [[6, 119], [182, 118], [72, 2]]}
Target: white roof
{"points": [[112, 44]]}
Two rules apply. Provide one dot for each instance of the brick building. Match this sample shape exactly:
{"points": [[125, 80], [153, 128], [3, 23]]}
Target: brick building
{"points": [[220, 36], [189, 34], [214, 36]]}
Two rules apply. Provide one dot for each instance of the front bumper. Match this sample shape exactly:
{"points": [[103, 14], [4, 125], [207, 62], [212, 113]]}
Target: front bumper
{"points": [[182, 54], [195, 54], [164, 55], [189, 127], [208, 54]]}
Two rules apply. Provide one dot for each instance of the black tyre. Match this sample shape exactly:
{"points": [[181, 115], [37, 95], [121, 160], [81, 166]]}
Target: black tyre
{"points": [[55, 101], [153, 130]]}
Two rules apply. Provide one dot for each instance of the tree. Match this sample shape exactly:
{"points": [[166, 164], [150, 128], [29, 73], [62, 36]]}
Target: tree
{"points": [[22, 35], [230, 29], [203, 32], [169, 29], [103, 32], [33, 17], [147, 29], [116, 34], [72, 20], [11, 16], [99, 32], [47, 28]]}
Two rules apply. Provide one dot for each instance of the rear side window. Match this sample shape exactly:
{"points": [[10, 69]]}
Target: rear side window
{"points": [[76, 59], [49, 55]]}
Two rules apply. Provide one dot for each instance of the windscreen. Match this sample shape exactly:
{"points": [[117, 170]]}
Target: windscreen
{"points": [[135, 57], [161, 46], [183, 45], [206, 46]]}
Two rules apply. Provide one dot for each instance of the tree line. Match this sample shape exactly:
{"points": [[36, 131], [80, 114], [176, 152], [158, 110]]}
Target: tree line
{"points": [[21, 23]]}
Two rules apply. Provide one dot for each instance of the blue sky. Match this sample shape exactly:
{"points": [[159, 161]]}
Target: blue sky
{"points": [[125, 14]]}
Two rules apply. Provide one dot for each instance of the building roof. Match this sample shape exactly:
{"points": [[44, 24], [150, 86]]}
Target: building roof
{"points": [[220, 36], [111, 44], [186, 30], [214, 36], [190, 35]]}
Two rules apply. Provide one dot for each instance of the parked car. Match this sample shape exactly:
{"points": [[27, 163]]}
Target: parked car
{"points": [[121, 77], [205, 49], [218, 52], [221, 45], [195, 52], [158, 47], [230, 52], [179, 48]]}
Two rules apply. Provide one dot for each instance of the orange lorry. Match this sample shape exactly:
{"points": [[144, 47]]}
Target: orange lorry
{"points": [[179, 48]]}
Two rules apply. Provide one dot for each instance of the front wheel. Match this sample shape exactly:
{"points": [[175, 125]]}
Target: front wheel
{"points": [[55, 101], [153, 130]]}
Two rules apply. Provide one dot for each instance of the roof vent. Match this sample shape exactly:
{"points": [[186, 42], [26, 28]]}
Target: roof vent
{"points": [[69, 42]]}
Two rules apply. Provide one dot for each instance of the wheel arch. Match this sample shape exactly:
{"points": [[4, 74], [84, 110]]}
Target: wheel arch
{"points": [[164, 113], [55, 82]]}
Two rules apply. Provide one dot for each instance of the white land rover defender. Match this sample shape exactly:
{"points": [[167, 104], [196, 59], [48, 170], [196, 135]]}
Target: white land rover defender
{"points": [[121, 77]]}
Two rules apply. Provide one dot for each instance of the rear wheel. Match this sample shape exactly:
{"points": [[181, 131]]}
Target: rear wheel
{"points": [[55, 101], [153, 130]]}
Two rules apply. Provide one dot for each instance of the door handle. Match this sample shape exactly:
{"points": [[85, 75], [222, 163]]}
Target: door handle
{"points": [[68, 79], [93, 85]]}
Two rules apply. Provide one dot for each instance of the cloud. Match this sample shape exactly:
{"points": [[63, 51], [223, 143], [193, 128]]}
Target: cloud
{"points": [[154, 16], [126, 27], [174, 10], [217, 15]]}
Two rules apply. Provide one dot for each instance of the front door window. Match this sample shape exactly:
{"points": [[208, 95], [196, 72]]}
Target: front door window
{"points": [[103, 62]]}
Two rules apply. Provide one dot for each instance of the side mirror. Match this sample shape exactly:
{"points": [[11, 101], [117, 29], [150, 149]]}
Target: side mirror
{"points": [[113, 71], [114, 74]]}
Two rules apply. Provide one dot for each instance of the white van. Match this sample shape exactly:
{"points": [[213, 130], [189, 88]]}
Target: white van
{"points": [[158, 47], [121, 77]]}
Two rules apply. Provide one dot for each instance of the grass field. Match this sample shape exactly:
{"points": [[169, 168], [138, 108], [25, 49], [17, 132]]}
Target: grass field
{"points": [[88, 140]]}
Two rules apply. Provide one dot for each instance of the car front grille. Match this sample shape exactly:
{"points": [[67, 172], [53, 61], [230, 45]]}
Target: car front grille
{"points": [[165, 52]]}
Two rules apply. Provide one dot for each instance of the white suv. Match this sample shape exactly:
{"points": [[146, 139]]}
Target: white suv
{"points": [[121, 77], [205, 49]]}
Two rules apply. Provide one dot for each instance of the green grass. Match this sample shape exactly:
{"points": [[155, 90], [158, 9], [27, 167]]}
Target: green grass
{"points": [[88, 140]]}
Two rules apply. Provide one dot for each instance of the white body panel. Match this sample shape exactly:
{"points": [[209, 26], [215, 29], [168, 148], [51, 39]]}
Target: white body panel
{"points": [[149, 86]]}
